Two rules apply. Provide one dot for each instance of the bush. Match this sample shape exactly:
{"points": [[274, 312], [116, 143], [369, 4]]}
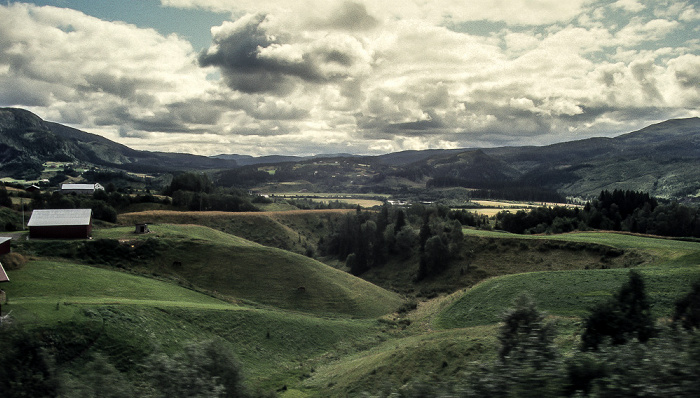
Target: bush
{"points": [[203, 369], [625, 316], [13, 261]]}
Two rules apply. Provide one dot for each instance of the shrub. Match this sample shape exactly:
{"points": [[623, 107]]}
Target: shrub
{"points": [[13, 261], [625, 316]]}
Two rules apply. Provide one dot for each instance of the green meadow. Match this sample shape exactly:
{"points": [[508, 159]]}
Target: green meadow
{"points": [[299, 327]]}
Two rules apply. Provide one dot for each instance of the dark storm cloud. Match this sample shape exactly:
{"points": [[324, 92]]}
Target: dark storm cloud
{"points": [[254, 60], [237, 55]]}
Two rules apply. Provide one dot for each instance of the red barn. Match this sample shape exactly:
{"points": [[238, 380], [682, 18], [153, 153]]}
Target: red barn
{"points": [[4, 245], [61, 224]]}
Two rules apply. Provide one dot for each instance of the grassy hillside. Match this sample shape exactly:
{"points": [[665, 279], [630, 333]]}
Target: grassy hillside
{"points": [[573, 293], [128, 317], [489, 254], [236, 269], [288, 230], [427, 357], [337, 338]]}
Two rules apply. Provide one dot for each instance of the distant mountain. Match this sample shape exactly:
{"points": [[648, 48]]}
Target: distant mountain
{"points": [[27, 141], [247, 160], [662, 159]]}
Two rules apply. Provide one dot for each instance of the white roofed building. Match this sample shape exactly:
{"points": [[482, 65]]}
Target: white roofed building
{"points": [[81, 189], [61, 224]]}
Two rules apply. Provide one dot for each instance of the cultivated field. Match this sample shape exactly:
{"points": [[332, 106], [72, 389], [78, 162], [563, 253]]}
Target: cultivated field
{"points": [[493, 207]]}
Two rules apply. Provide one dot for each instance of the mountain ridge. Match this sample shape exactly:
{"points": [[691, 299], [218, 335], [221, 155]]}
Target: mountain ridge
{"points": [[661, 159], [27, 141]]}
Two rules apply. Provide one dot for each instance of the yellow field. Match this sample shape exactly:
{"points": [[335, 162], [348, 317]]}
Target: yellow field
{"points": [[493, 207], [364, 200]]}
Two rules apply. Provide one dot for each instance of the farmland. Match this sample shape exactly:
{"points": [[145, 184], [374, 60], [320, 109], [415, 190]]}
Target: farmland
{"points": [[340, 335]]}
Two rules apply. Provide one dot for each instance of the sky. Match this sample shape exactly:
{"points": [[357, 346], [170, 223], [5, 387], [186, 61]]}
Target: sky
{"points": [[305, 77]]}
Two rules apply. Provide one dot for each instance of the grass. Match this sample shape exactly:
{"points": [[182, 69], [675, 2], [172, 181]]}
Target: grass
{"points": [[337, 337], [59, 284], [127, 316], [662, 247], [288, 230], [574, 292], [234, 268], [430, 357]]}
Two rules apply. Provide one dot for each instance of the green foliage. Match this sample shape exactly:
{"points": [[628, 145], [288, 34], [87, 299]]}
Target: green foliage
{"points": [[405, 243], [667, 366], [5, 200], [206, 369], [525, 336], [97, 378], [435, 258], [618, 211], [27, 370], [191, 182], [625, 316], [687, 312], [529, 364]]}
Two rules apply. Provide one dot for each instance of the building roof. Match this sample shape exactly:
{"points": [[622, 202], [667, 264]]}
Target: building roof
{"points": [[3, 275], [78, 186], [60, 217], [4, 239]]}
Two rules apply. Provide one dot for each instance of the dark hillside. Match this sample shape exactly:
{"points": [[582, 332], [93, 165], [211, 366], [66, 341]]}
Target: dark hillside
{"points": [[27, 141]]}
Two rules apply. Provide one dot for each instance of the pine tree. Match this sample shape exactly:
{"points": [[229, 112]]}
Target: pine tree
{"points": [[625, 316]]}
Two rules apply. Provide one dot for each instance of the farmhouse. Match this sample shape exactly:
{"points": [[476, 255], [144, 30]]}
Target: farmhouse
{"points": [[81, 189], [61, 224]]}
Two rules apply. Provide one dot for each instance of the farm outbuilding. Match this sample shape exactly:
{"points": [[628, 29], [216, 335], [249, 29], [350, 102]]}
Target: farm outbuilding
{"points": [[5, 245], [61, 224], [141, 229], [33, 188]]}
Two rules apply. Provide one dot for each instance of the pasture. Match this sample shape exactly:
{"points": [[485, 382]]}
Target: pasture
{"points": [[675, 265], [338, 336]]}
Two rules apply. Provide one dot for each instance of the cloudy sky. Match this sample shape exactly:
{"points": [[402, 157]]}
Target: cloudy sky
{"points": [[358, 76]]}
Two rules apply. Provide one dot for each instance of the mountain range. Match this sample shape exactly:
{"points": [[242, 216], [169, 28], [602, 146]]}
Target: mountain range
{"points": [[662, 159]]}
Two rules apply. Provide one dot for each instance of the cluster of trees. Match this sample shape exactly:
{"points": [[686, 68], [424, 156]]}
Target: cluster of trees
{"points": [[623, 353], [368, 239], [195, 191], [104, 205], [501, 190], [617, 211]]}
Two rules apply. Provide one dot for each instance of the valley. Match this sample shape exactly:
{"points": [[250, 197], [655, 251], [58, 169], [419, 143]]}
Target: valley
{"points": [[341, 335], [339, 276]]}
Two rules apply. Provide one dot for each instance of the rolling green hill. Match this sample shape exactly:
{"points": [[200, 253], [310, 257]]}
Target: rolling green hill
{"points": [[128, 316], [288, 230], [237, 269], [573, 293], [339, 337]]}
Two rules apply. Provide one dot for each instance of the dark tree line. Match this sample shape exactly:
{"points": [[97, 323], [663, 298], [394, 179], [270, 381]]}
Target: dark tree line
{"points": [[104, 205], [369, 239], [617, 211], [195, 191]]}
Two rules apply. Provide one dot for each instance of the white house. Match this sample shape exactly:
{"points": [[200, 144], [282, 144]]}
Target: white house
{"points": [[81, 189]]}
